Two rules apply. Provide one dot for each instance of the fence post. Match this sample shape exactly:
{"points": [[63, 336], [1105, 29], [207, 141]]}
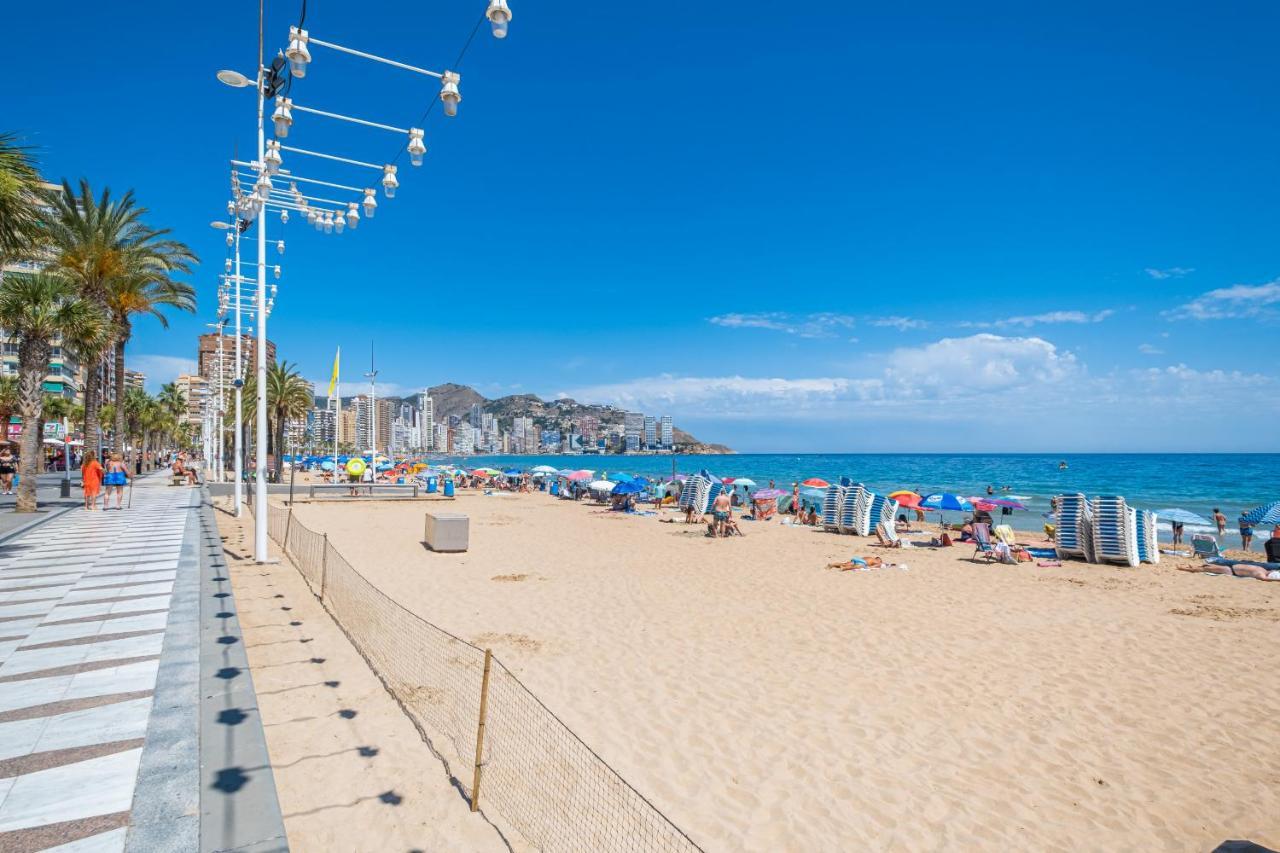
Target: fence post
{"points": [[288, 522], [324, 565], [484, 707]]}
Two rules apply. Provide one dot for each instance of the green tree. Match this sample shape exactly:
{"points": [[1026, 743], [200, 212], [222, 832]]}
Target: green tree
{"points": [[97, 241], [146, 292], [36, 309], [21, 197], [288, 398]]}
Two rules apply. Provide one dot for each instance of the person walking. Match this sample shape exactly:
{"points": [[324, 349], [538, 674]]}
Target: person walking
{"points": [[1246, 532], [1220, 520], [116, 478], [8, 467], [91, 474]]}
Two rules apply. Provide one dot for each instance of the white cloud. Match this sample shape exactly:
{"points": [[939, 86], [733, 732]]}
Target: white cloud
{"points": [[983, 363], [1054, 317], [1236, 302], [902, 324], [161, 369], [819, 325], [1148, 349], [913, 377], [1171, 272]]}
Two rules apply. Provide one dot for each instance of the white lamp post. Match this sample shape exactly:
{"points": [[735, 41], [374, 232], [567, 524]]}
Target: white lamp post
{"points": [[238, 381]]}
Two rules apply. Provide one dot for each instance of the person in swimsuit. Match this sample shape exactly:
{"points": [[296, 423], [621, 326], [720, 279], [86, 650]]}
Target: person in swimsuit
{"points": [[91, 473], [720, 512], [1246, 533], [116, 478], [8, 467]]}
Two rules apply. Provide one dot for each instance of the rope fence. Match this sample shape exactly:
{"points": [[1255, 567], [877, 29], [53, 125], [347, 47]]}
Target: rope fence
{"points": [[530, 768]]}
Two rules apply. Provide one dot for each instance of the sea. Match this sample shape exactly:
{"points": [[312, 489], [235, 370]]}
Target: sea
{"points": [[1198, 482]]}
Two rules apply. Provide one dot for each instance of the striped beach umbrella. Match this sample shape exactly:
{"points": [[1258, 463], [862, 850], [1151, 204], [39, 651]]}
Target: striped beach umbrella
{"points": [[1265, 514]]}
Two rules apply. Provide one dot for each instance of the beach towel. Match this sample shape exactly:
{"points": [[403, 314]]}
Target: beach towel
{"points": [[1043, 553]]}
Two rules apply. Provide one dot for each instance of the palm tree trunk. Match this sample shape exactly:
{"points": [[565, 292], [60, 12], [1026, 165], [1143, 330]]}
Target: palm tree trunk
{"points": [[92, 402], [33, 361], [120, 441]]}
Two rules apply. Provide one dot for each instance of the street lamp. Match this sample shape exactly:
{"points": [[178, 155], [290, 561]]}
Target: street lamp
{"points": [[297, 53], [499, 15], [233, 235], [449, 93], [416, 146]]}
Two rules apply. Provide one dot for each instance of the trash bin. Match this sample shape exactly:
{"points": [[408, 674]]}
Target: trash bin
{"points": [[446, 531], [433, 485], [448, 488]]}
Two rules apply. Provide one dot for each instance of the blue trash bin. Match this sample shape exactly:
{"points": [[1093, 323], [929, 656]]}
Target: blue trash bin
{"points": [[555, 489], [432, 485], [448, 488]]}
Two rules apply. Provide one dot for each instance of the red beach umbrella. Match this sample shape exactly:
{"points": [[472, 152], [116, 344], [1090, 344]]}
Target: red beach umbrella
{"points": [[816, 482]]}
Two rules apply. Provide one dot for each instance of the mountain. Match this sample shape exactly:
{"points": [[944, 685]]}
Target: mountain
{"points": [[454, 400]]}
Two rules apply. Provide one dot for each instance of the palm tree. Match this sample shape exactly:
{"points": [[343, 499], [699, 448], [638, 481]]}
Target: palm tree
{"points": [[172, 399], [36, 309], [146, 292], [288, 398], [98, 241], [20, 200]]}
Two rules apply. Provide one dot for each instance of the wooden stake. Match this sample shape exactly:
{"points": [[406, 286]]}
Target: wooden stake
{"points": [[484, 707], [324, 565]]}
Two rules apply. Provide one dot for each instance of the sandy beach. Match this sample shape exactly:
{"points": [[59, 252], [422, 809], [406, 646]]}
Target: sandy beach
{"points": [[764, 702]]}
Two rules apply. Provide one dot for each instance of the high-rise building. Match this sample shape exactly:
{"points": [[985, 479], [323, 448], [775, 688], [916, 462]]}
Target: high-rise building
{"points": [[135, 380], [427, 411], [347, 426], [440, 438], [324, 425], [650, 433], [477, 415], [667, 432], [464, 440], [208, 362], [381, 422], [632, 428], [589, 426], [194, 389]]}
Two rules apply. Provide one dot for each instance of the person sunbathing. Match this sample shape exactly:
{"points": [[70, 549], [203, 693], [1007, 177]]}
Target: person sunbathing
{"points": [[1240, 570], [854, 563]]}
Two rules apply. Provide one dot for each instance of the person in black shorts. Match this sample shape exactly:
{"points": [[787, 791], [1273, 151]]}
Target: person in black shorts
{"points": [[8, 467]]}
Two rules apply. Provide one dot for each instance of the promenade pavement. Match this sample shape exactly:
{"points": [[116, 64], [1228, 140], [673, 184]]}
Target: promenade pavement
{"points": [[125, 706]]}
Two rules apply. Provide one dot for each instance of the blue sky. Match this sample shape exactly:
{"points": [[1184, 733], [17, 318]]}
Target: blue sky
{"points": [[988, 227]]}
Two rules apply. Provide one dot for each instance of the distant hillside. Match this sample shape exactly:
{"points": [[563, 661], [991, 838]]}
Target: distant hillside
{"points": [[451, 399]]}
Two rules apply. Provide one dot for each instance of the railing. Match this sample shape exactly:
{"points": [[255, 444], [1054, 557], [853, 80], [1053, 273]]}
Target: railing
{"points": [[370, 490], [530, 768]]}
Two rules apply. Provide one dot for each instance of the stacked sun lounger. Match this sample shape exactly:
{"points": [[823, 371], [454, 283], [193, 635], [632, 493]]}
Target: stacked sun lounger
{"points": [[831, 504], [700, 492], [882, 511], [854, 507], [1073, 535], [1148, 545], [1115, 531]]}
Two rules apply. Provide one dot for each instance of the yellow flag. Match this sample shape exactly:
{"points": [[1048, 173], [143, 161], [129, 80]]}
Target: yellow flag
{"points": [[333, 382]]}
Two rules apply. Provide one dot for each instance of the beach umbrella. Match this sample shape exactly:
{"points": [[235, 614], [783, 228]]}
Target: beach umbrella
{"points": [[326, 465], [601, 486], [946, 500], [1006, 503], [744, 483], [1265, 514], [765, 494], [816, 482], [578, 476], [619, 477], [627, 488], [906, 498], [480, 472], [512, 473], [543, 469], [1183, 516], [642, 482]]}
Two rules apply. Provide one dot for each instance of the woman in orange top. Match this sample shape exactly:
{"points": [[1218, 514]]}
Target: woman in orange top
{"points": [[91, 473]]}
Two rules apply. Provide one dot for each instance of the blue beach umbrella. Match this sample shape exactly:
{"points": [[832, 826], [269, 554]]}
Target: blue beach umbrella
{"points": [[642, 482], [512, 473], [619, 477], [1265, 514], [946, 500], [627, 488], [1183, 516]]}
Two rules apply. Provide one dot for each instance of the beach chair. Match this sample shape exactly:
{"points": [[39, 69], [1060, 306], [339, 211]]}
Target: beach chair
{"points": [[888, 536], [1205, 546], [982, 541]]}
